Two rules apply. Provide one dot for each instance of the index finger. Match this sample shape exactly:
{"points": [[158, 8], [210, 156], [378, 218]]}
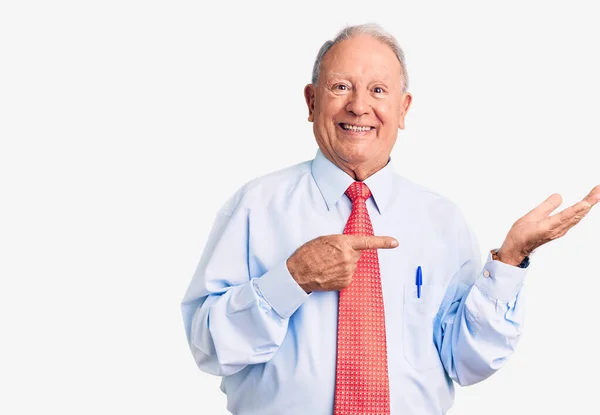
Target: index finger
{"points": [[568, 217], [359, 242], [571, 215], [594, 196]]}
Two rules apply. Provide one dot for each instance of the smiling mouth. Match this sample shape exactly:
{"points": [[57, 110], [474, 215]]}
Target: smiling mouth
{"points": [[355, 128]]}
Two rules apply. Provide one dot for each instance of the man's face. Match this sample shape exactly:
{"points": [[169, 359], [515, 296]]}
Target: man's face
{"points": [[357, 105]]}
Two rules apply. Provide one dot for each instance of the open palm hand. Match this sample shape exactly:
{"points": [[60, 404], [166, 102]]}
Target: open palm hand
{"points": [[537, 227]]}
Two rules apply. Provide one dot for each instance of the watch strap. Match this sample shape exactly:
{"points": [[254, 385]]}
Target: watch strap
{"points": [[523, 264]]}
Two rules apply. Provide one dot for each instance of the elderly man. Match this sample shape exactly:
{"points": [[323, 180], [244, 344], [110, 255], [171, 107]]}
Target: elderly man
{"points": [[303, 310]]}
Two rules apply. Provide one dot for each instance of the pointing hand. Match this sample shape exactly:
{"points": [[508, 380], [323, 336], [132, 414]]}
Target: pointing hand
{"points": [[328, 262]]}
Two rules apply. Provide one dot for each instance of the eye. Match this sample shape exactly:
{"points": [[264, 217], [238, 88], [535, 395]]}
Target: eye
{"points": [[378, 90], [341, 87]]}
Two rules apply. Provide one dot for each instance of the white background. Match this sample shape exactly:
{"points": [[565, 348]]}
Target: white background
{"points": [[126, 124]]}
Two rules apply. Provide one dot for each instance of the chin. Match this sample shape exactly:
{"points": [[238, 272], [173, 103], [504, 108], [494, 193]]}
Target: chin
{"points": [[357, 154], [355, 160]]}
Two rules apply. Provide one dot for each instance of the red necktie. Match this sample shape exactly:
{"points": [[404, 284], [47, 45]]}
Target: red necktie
{"points": [[362, 386]]}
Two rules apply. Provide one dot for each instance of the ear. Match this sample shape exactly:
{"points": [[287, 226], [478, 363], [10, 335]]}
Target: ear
{"points": [[404, 106], [309, 97]]}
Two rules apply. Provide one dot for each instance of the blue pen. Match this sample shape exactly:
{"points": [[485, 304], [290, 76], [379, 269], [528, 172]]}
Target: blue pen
{"points": [[419, 281]]}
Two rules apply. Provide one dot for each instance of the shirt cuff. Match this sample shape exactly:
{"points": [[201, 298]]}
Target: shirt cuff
{"points": [[278, 288], [499, 280]]}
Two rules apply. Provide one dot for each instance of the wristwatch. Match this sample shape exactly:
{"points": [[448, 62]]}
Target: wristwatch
{"points": [[523, 264]]}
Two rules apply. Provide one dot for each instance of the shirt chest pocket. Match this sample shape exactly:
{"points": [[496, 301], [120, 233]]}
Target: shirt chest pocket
{"points": [[419, 315]]}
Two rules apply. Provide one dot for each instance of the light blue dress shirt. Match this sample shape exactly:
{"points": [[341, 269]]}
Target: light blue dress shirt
{"points": [[248, 321]]}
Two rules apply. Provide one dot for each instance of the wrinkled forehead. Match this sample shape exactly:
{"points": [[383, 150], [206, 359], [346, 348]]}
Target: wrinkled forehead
{"points": [[361, 57]]}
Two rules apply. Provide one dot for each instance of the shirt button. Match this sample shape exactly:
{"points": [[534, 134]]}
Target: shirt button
{"points": [[486, 273]]}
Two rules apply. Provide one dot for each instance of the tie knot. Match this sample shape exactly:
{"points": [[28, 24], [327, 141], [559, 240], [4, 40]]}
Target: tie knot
{"points": [[358, 190]]}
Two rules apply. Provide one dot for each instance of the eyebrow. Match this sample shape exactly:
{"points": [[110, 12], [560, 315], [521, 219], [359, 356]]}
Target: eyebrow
{"points": [[377, 77]]}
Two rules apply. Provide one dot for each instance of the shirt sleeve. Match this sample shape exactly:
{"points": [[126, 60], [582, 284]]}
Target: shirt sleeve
{"points": [[481, 317], [232, 320]]}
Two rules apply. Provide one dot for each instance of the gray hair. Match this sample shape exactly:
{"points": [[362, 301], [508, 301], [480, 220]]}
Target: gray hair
{"points": [[371, 29]]}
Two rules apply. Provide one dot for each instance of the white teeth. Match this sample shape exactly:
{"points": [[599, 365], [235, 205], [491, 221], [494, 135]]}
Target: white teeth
{"points": [[355, 127]]}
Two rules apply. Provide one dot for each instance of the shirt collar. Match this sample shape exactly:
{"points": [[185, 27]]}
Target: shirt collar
{"points": [[333, 182]]}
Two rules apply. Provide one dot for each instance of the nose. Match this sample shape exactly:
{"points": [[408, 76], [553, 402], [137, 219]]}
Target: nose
{"points": [[358, 103]]}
